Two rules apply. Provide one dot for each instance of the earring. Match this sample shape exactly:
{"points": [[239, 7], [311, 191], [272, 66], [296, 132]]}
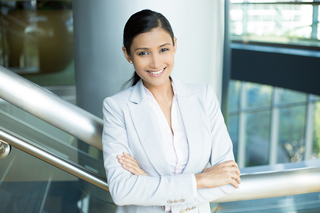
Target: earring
{"points": [[130, 62]]}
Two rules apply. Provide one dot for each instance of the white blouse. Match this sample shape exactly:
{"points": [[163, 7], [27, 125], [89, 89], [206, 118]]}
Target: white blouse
{"points": [[175, 144]]}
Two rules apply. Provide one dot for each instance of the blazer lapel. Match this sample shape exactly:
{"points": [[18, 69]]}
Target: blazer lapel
{"points": [[146, 129], [190, 112]]}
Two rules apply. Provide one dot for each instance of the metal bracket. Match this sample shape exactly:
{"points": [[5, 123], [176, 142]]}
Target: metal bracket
{"points": [[5, 149]]}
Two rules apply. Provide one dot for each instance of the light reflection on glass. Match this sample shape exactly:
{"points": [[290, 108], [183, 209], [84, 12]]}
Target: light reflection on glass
{"points": [[291, 144], [233, 127], [234, 89], [258, 95], [257, 138], [37, 40], [275, 23], [289, 111], [290, 96], [316, 132]]}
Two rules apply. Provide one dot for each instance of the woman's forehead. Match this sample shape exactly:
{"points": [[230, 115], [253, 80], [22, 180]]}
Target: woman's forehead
{"points": [[154, 38]]}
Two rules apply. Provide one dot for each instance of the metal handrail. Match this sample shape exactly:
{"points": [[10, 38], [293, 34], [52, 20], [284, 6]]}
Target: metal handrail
{"points": [[53, 159], [253, 186], [286, 182], [51, 108]]}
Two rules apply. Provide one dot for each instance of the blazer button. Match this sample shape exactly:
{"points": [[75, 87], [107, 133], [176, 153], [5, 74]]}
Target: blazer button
{"points": [[188, 209], [182, 200], [182, 211], [176, 201], [169, 201], [193, 207]]}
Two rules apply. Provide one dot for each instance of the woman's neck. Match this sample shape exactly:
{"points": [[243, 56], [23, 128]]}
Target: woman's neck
{"points": [[163, 92]]}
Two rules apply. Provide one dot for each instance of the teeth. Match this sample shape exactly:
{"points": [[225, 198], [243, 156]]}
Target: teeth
{"points": [[156, 72]]}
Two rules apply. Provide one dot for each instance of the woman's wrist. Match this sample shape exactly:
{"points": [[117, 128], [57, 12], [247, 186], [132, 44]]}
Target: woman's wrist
{"points": [[199, 180]]}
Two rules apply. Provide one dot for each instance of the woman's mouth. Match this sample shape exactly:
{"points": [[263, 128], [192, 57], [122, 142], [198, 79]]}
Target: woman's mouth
{"points": [[157, 72]]}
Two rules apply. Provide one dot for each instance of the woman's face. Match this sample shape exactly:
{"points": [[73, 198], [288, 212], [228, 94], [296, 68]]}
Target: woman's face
{"points": [[152, 54]]}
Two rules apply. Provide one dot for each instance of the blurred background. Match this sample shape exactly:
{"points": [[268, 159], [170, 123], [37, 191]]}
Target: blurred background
{"points": [[274, 27]]}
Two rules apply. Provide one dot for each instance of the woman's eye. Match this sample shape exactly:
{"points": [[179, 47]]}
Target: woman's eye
{"points": [[143, 53], [164, 49]]}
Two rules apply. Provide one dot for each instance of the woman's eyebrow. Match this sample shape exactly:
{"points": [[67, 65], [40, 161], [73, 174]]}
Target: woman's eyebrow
{"points": [[141, 48], [145, 48], [164, 44]]}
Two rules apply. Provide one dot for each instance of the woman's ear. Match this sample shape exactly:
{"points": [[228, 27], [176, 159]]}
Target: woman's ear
{"points": [[175, 45], [126, 55]]}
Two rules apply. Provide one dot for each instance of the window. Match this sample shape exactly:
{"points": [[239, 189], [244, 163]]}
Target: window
{"points": [[37, 40], [271, 125], [277, 22]]}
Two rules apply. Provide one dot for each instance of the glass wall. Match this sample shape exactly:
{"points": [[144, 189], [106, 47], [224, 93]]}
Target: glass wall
{"points": [[271, 125], [37, 40], [275, 21], [316, 132]]}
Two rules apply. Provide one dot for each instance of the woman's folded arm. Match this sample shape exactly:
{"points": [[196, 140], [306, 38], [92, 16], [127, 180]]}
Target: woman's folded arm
{"points": [[129, 189]]}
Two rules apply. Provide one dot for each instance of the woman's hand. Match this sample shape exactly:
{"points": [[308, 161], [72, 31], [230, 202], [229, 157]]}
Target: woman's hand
{"points": [[130, 164], [219, 175]]}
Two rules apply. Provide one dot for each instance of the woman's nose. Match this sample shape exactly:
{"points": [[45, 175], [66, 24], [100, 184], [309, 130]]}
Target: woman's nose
{"points": [[155, 61]]}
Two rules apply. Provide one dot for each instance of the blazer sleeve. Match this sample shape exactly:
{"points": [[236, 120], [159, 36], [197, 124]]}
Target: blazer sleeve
{"points": [[221, 151], [128, 189]]}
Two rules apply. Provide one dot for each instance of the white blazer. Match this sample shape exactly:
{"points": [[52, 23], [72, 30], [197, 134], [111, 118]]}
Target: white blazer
{"points": [[129, 127]]}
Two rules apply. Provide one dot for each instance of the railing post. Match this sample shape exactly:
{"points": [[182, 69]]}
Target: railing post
{"points": [[5, 149]]}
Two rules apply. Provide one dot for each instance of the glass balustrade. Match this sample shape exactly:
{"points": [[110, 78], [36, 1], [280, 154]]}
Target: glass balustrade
{"points": [[31, 185]]}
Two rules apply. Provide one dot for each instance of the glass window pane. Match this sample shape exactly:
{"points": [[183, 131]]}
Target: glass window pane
{"points": [[291, 134], [37, 40], [234, 89], [29, 184], [258, 95], [233, 128], [316, 132], [257, 138], [290, 96], [274, 23]]}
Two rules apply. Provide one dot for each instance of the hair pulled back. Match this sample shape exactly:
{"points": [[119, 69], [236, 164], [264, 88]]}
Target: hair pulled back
{"points": [[142, 22]]}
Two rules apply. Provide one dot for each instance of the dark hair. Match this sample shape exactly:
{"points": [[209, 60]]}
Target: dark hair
{"points": [[142, 22]]}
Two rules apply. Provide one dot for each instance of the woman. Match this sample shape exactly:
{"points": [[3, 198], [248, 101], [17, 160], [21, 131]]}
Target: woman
{"points": [[160, 134]]}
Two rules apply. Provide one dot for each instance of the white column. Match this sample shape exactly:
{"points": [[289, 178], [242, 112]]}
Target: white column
{"points": [[242, 127], [274, 138], [309, 128]]}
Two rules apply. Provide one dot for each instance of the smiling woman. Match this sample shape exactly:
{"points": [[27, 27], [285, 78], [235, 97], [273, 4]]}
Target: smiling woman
{"points": [[153, 56], [160, 134]]}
